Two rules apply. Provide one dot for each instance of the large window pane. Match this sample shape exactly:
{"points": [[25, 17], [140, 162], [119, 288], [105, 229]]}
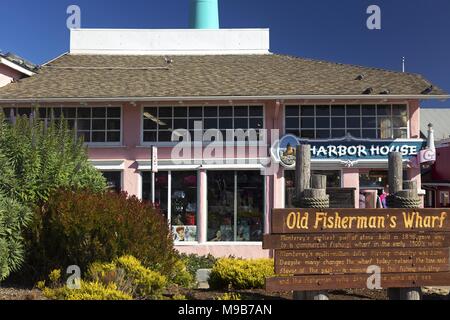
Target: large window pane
{"points": [[292, 123], [354, 122], [354, 110], [307, 123], [338, 110], [369, 122], [322, 123], [292, 111], [241, 111], [400, 110], [338, 123], [221, 202], [235, 206], [250, 206], [256, 111], [307, 111], [184, 206], [114, 180], [180, 112], [322, 111], [369, 110]]}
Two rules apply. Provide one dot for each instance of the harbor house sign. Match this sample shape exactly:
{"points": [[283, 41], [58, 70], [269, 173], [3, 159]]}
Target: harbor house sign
{"points": [[346, 150]]}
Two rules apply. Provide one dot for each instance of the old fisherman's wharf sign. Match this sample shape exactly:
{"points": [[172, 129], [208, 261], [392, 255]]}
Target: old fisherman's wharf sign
{"points": [[346, 150], [329, 249]]}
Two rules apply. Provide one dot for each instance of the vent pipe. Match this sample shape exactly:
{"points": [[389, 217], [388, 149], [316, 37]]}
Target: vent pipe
{"points": [[205, 14]]}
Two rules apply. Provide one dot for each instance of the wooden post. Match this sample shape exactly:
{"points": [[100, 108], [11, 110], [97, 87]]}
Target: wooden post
{"points": [[395, 173], [405, 190], [302, 189], [303, 170], [319, 182]]}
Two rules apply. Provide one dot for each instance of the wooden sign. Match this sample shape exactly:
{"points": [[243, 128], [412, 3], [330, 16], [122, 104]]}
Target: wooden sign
{"points": [[356, 241], [327, 249], [288, 221], [298, 262], [359, 281]]}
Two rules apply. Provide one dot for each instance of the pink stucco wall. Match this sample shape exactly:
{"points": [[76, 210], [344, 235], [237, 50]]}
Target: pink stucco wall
{"points": [[252, 251], [350, 177]]}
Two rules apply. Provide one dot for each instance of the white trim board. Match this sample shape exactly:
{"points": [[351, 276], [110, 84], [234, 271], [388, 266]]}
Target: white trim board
{"points": [[374, 98], [169, 41], [16, 67]]}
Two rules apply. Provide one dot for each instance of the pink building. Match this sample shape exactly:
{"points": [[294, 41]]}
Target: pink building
{"points": [[126, 91], [14, 68], [436, 177]]}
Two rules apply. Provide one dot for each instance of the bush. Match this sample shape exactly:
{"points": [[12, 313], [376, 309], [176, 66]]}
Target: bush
{"points": [[14, 217], [180, 274], [195, 262], [129, 276], [240, 274], [123, 279], [79, 228], [37, 160], [230, 297], [88, 291]]}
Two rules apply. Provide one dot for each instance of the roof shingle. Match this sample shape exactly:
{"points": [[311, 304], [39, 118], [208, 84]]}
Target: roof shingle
{"points": [[107, 76]]}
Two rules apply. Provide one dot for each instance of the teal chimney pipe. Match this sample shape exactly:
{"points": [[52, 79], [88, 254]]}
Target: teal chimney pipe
{"points": [[205, 14]]}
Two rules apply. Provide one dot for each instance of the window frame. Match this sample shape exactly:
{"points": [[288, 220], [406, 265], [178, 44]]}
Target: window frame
{"points": [[235, 214], [345, 117], [169, 199], [226, 143], [91, 118]]}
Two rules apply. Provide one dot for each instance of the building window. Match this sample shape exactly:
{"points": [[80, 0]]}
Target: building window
{"points": [[444, 199], [333, 181], [113, 180], [336, 121], [160, 122], [93, 124], [377, 179], [181, 206], [235, 206]]}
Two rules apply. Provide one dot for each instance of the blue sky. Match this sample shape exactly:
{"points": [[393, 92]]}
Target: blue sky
{"points": [[322, 29]]}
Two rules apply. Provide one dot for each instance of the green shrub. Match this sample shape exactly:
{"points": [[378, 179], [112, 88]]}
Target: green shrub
{"points": [[124, 278], [88, 291], [240, 274], [14, 217], [129, 276], [37, 160], [180, 274], [79, 228], [195, 262], [230, 297]]}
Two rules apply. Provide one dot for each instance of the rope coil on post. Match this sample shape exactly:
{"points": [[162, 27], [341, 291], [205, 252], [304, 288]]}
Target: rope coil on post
{"points": [[315, 203]]}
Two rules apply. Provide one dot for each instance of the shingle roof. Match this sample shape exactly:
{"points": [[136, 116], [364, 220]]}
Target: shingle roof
{"points": [[440, 118], [107, 76]]}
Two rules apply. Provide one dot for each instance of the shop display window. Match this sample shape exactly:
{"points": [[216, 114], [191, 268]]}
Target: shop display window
{"points": [[181, 206], [113, 180], [235, 206]]}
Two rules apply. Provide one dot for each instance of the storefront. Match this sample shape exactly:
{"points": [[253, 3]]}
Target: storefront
{"points": [[219, 200]]}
